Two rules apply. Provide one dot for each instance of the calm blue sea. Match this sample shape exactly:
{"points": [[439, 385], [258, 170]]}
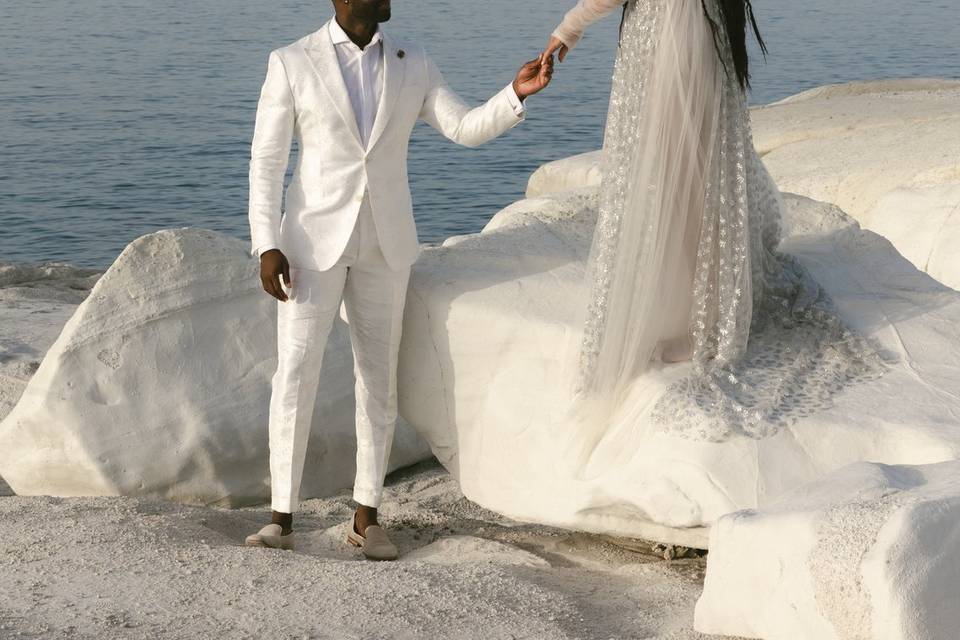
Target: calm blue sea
{"points": [[121, 117]]}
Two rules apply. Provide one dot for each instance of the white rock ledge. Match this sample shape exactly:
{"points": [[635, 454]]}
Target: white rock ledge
{"points": [[869, 551], [486, 314]]}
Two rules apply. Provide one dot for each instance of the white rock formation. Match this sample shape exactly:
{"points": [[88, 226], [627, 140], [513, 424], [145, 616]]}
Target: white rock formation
{"points": [[501, 301], [565, 174], [869, 551], [486, 314], [159, 384], [885, 152], [923, 222]]}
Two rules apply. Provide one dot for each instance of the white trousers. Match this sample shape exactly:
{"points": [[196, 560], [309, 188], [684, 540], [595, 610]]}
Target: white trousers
{"points": [[373, 295]]}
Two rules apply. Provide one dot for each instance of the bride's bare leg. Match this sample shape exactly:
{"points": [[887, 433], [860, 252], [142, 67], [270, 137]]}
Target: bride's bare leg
{"points": [[676, 349]]}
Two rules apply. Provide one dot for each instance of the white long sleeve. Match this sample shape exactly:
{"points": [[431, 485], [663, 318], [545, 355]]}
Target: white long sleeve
{"points": [[263, 249], [581, 16], [446, 112], [269, 155]]}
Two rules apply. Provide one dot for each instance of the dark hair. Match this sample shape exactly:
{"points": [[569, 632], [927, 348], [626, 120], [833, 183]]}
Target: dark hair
{"points": [[734, 14]]}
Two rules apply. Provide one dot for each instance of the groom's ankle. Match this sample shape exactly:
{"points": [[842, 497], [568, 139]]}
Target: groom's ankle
{"points": [[285, 520]]}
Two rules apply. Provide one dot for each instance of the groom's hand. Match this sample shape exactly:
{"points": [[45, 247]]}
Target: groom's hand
{"points": [[273, 264], [533, 76]]}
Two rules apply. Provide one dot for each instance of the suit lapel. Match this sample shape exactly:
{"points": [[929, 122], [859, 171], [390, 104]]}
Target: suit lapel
{"points": [[322, 55], [394, 69]]}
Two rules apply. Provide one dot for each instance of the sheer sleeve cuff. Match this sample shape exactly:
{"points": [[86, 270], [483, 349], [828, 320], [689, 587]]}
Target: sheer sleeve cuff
{"points": [[577, 19], [566, 35]]}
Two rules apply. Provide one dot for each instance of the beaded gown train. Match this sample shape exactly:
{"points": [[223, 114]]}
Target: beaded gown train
{"points": [[685, 249]]}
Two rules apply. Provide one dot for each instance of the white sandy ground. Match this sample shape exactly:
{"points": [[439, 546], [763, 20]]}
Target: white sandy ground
{"points": [[145, 568]]}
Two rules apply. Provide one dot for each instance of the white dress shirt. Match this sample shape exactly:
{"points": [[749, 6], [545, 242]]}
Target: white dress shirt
{"points": [[362, 71]]}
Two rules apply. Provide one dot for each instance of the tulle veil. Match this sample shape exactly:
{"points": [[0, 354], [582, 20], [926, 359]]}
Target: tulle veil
{"points": [[660, 146]]}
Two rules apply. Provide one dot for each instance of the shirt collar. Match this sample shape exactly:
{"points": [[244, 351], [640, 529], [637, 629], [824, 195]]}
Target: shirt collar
{"points": [[339, 36]]}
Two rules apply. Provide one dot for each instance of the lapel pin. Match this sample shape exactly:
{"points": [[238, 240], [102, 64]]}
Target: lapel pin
{"points": [[401, 53]]}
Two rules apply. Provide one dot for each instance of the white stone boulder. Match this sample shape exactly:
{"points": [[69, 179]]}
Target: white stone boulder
{"points": [[924, 225], [565, 174], [486, 314], [870, 551], [159, 384], [884, 151]]}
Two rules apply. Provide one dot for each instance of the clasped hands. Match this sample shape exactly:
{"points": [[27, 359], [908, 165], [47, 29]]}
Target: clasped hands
{"points": [[536, 74]]}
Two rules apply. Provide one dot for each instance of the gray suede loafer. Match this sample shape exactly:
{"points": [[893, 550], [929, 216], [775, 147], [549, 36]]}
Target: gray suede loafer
{"points": [[375, 543], [270, 536]]}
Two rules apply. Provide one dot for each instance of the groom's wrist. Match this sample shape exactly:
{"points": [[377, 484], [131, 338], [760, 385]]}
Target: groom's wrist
{"points": [[516, 90], [516, 103]]}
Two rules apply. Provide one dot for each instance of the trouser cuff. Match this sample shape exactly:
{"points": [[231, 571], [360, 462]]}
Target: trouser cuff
{"points": [[367, 498], [283, 504]]}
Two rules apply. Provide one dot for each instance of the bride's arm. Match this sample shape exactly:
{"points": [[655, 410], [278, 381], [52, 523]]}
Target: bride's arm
{"points": [[580, 17]]}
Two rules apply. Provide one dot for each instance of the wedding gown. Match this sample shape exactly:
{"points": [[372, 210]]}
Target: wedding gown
{"points": [[685, 245]]}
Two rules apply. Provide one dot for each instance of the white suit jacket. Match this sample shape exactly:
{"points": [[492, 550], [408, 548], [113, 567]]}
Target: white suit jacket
{"points": [[304, 94]]}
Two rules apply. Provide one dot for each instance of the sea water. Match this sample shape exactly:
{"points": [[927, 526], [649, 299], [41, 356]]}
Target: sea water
{"points": [[121, 117]]}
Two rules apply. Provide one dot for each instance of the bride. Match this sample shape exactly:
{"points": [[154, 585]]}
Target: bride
{"points": [[683, 266]]}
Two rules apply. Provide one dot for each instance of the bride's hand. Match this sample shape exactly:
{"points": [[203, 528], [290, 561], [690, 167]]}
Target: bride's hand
{"points": [[555, 45]]}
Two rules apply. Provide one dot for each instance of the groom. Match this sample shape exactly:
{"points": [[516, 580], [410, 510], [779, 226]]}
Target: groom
{"points": [[352, 94]]}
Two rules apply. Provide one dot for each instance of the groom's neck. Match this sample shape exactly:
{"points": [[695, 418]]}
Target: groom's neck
{"points": [[360, 31]]}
